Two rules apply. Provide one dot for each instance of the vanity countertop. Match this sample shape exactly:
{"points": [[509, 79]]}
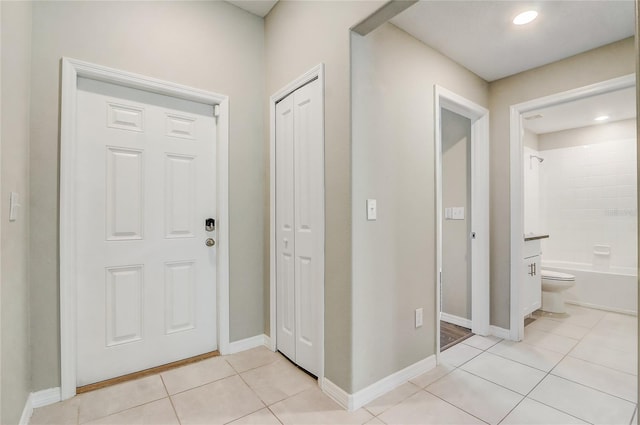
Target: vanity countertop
{"points": [[533, 237]]}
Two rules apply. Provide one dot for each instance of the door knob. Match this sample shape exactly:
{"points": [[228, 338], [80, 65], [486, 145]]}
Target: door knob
{"points": [[210, 242]]}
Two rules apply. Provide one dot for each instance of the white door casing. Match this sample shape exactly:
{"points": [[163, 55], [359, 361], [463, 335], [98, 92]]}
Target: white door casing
{"points": [[146, 184], [72, 70], [479, 225], [299, 218]]}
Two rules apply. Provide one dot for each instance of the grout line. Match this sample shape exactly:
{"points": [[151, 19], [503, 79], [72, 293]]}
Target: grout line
{"points": [[274, 414], [451, 404], [175, 412], [635, 412]]}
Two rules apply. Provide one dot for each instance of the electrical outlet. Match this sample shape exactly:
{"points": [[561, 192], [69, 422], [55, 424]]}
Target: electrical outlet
{"points": [[418, 317]]}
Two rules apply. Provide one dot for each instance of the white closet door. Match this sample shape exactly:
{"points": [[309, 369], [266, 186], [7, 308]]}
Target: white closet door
{"points": [[300, 225], [309, 222], [285, 238]]}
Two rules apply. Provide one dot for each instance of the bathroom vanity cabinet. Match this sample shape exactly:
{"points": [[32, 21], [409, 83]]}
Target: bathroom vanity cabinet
{"points": [[531, 293]]}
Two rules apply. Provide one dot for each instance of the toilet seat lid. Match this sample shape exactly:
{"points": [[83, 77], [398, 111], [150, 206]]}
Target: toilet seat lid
{"points": [[551, 275]]}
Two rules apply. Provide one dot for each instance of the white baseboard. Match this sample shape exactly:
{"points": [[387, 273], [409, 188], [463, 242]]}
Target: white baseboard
{"points": [[456, 320], [46, 397], [38, 399], [355, 401], [27, 411], [339, 395], [603, 308], [500, 332], [247, 344]]}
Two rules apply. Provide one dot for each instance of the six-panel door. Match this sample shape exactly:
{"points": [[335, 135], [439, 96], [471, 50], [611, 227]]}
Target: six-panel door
{"points": [[146, 280]]}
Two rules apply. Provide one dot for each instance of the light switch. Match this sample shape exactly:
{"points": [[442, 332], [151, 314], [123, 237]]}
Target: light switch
{"points": [[372, 210], [458, 213], [13, 206], [448, 215]]}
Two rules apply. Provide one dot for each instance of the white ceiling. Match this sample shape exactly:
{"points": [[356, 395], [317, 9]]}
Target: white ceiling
{"points": [[480, 36], [257, 7], [618, 105]]}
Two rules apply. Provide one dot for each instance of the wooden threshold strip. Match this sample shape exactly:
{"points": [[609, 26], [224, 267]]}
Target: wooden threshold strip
{"points": [[146, 372]]}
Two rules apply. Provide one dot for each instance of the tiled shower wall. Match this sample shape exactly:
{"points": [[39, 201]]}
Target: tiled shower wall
{"points": [[588, 201]]}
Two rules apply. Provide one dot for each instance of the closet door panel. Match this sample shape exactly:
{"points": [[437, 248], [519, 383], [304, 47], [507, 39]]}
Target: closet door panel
{"points": [[309, 221], [285, 225]]}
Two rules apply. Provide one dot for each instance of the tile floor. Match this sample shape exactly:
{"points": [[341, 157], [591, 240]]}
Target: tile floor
{"points": [[581, 369]]}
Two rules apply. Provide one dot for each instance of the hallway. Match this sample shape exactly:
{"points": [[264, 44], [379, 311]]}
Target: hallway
{"points": [[581, 369]]}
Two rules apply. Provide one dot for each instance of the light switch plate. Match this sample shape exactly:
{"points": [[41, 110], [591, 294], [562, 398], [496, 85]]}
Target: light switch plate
{"points": [[419, 318], [372, 209], [14, 203], [458, 213]]}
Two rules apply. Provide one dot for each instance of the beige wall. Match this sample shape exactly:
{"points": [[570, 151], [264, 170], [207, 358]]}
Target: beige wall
{"points": [[456, 282], [209, 45], [604, 63], [16, 61], [625, 129], [298, 36], [393, 154]]}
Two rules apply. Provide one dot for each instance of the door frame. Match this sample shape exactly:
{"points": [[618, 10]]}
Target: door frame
{"points": [[479, 117], [73, 69], [317, 72], [516, 324]]}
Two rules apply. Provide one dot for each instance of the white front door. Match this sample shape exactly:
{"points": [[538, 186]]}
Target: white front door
{"points": [[300, 225], [146, 280]]}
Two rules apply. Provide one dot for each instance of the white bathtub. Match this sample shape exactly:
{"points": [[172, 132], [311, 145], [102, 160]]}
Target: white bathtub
{"points": [[613, 289]]}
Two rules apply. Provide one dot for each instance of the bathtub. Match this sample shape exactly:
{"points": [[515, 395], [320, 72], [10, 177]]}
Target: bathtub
{"points": [[613, 289]]}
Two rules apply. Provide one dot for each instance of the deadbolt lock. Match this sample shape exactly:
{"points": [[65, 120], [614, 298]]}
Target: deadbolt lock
{"points": [[210, 242]]}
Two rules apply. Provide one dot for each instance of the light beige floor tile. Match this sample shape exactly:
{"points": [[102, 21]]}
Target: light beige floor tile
{"points": [[374, 421], [553, 342], [482, 342], [261, 417], [114, 399], [251, 359], [424, 408], [512, 375], [392, 398], [582, 402], [619, 321], [433, 375], [476, 396], [458, 354], [218, 402], [610, 381], [277, 381], [530, 412], [62, 413], [583, 316], [621, 341], [196, 374], [533, 356], [594, 352], [559, 328], [313, 407], [155, 413]]}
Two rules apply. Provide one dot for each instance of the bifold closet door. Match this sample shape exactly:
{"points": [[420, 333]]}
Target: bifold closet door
{"points": [[300, 225]]}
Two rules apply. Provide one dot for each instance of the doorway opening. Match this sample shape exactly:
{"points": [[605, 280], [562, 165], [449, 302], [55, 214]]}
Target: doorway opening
{"points": [[586, 226], [462, 217]]}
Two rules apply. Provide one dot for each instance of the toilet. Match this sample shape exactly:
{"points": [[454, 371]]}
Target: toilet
{"points": [[554, 284]]}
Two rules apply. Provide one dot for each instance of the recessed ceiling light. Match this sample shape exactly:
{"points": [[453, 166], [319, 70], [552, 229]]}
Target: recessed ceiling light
{"points": [[525, 17], [601, 118]]}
